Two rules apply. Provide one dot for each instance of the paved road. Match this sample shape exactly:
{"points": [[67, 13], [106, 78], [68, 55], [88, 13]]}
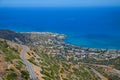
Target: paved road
{"points": [[27, 63]]}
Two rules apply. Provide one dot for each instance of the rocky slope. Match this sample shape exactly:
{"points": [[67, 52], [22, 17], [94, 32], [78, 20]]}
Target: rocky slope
{"points": [[11, 66], [45, 66], [48, 67]]}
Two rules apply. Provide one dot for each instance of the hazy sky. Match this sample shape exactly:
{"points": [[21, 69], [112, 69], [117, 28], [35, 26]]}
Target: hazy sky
{"points": [[59, 3]]}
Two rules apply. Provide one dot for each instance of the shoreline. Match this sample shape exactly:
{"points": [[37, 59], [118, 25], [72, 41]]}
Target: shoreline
{"points": [[70, 43], [64, 37]]}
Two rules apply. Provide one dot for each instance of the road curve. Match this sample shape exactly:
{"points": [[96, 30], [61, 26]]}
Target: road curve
{"points": [[27, 63]]}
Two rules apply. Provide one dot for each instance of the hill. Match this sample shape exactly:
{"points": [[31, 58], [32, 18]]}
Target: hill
{"points": [[11, 66], [53, 59]]}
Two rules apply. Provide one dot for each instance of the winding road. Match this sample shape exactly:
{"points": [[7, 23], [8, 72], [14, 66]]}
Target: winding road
{"points": [[27, 63]]}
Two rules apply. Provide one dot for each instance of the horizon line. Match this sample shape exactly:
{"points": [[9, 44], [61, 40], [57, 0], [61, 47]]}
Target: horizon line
{"points": [[60, 6]]}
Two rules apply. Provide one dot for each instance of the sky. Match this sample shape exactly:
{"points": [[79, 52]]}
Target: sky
{"points": [[58, 3]]}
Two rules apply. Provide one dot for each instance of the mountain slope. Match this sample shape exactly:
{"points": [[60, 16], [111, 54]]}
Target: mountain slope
{"points": [[51, 57], [12, 36], [11, 66], [52, 68]]}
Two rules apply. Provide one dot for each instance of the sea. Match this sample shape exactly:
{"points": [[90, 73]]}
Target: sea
{"points": [[94, 27]]}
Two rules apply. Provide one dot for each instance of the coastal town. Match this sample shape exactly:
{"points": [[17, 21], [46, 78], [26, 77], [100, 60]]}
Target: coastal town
{"points": [[49, 51], [53, 43]]}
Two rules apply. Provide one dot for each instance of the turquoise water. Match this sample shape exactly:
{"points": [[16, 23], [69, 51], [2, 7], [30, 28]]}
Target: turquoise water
{"points": [[88, 27]]}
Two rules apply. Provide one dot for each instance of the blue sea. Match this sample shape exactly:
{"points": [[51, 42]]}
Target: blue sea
{"points": [[87, 27]]}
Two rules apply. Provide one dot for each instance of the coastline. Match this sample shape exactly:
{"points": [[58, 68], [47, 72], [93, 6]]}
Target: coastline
{"points": [[54, 43], [64, 36], [67, 40]]}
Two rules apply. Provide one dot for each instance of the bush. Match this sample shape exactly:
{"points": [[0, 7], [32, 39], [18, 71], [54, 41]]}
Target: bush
{"points": [[5, 50], [19, 65], [32, 60], [25, 74], [10, 57], [11, 76]]}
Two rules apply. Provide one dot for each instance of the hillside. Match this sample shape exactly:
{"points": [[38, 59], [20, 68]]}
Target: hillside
{"points": [[32, 38], [11, 66], [53, 59], [113, 62], [52, 68], [12, 36]]}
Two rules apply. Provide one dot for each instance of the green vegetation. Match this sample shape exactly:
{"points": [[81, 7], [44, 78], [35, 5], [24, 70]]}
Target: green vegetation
{"points": [[19, 65], [14, 49], [3, 44], [11, 57], [108, 75], [9, 69], [11, 76], [9, 52], [56, 69], [5, 50], [114, 62], [12, 70], [32, 60], [25, 74]]}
